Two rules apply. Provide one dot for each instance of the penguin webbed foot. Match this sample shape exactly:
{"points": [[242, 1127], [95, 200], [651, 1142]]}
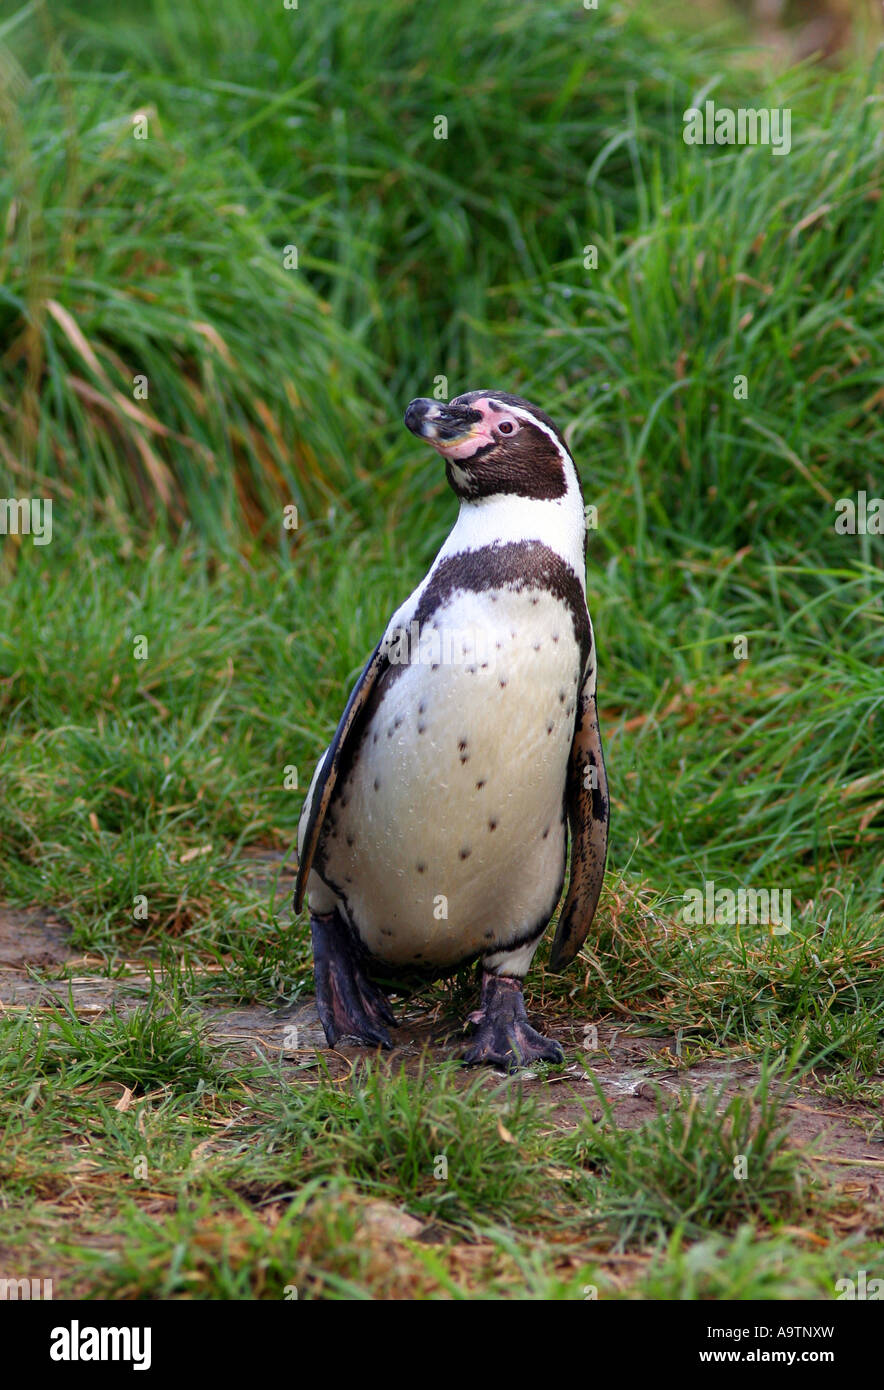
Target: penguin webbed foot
{"points": [[504, 1037], [349, 1004]]}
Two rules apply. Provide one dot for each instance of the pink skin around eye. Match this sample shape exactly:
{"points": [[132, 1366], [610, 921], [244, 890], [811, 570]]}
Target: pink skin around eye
{"points": [[480, 435]]}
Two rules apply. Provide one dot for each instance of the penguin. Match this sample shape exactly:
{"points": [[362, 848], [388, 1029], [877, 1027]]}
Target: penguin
{"points": [[434, 834]]}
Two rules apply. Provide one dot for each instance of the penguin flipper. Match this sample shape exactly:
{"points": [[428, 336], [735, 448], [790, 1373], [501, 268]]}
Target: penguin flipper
{"points": [[588, 806], [323, 790]]}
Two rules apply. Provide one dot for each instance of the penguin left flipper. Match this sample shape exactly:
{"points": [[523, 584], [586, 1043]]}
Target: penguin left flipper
{"points": [[586, 797], [321, 793]]}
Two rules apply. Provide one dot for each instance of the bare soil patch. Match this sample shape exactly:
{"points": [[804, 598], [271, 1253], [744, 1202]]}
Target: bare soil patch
{"points": [[38, 968]]}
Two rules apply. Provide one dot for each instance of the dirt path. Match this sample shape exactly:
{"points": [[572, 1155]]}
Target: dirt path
{"points": [[38, 968]]}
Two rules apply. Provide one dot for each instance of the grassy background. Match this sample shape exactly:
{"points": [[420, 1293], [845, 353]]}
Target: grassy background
{"points": [[420, 258]]}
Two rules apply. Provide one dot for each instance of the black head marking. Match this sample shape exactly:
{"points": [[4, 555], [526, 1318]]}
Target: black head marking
{"points": [[528, 464], [499, 400]]}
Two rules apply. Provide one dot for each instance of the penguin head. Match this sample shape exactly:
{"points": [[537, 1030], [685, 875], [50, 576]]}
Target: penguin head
{"points": [[494, 443]]}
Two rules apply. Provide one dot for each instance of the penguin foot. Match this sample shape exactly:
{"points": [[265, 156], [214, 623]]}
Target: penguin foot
{"points": [[348, 1003], [504, 1037]]}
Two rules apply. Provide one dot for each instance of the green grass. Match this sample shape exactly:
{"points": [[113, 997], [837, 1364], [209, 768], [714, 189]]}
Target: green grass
{"points": [[132, 790], [144, 1050], [235, 1185], [708, 1163]]}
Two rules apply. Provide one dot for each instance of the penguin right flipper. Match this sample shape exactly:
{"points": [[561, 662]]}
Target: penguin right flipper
{"points": [[320, 794], [588, 815]]}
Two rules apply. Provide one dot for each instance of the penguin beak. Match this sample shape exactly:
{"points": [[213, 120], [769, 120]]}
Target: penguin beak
{"points": [[444, 426]]}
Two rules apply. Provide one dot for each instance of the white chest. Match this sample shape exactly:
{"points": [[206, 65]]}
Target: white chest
{"points": [[447, 839]]}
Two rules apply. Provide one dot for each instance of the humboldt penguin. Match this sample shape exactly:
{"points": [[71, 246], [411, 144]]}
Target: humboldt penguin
{"points": [[435, 830]]}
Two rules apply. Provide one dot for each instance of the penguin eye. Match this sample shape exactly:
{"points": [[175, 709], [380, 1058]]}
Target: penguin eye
{"points": [[506, 427]]}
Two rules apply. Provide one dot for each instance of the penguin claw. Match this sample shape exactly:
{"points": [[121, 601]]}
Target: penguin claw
{"points": [[504, 1037], [348, 1003], [518, 1047], [366, 1037]]}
